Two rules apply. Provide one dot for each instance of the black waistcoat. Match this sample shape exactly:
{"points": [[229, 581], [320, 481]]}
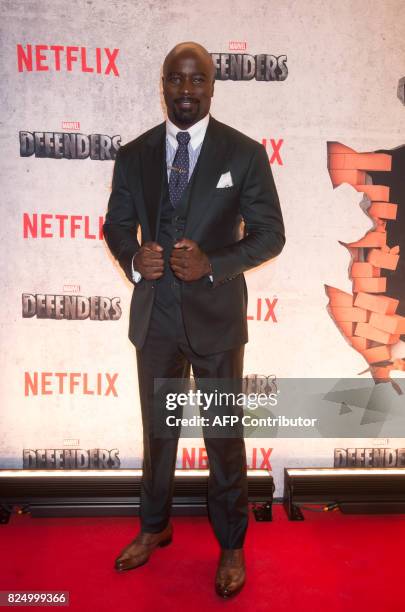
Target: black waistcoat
{"points": [[171, 229]]}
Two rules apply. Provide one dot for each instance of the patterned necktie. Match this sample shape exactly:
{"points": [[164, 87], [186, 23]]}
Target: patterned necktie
{"points": [[179, 171]]}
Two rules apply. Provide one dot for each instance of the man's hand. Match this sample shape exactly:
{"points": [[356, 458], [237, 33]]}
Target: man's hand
{"points": [[188, 261], [149, 261]]}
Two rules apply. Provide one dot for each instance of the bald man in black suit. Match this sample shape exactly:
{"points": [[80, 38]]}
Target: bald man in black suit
{"points": [[189, 183]]}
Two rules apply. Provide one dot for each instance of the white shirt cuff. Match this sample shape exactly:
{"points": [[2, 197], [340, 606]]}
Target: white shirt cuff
{"points": [[136, 276]]}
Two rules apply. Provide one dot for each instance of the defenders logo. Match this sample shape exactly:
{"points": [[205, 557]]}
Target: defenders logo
{"points": [[245, 67], [369, 457], [72, 307], [67, 459], [64, 145]]}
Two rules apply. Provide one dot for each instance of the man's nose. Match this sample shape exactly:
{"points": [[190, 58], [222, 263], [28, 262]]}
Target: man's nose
{"points": [[187, 86]]}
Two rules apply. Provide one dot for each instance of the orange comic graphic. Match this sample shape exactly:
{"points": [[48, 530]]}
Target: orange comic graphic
{"points": [[372, 317]]}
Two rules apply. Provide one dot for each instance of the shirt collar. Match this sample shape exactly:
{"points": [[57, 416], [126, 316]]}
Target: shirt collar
{"points": [[196, 131]]}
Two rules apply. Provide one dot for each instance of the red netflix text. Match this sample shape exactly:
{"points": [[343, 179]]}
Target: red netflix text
{"points": [[264, 311], [72, 383], [46, 225], [273, 147], [43, 58], [197, 459]]}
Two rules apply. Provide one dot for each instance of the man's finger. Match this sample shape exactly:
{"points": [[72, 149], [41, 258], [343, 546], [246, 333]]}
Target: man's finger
{"points": [[179, 268], [152, 256], [180, 263], [153, 246], [158, 265], [185, 243], [154, 268], [178, 257]]}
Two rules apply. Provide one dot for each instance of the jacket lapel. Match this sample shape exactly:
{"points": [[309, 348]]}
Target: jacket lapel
{"points": [[209, 167], [153, 167]]}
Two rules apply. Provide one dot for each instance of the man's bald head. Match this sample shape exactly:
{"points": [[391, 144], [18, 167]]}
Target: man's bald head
{"points": [[190, 48], [188, 83]]}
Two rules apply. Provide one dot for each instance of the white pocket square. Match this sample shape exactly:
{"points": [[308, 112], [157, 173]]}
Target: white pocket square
{"points": [[225, 180]]}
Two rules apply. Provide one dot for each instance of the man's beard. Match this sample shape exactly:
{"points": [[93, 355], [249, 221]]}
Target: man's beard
{"points": [[185, 117]]}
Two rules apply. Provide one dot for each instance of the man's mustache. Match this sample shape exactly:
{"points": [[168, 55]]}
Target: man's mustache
{"points": [[179, 100]]}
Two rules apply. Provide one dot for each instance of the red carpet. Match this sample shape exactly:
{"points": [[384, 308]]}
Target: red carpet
{"points": [[328, 562]]}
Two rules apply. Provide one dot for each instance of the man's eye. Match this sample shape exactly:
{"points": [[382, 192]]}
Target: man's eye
{"points": [[198, 80], [174, 79]]}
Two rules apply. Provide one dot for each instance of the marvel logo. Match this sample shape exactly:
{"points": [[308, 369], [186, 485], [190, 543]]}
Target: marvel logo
{"points": [[71, 289], [237, 45], [71, 442], [70, 125]]}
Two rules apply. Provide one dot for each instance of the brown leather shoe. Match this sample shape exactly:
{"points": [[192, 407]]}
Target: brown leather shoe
{"points": [[139, 550], [231, 573]]}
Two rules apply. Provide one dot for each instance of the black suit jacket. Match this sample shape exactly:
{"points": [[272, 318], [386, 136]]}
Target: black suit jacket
{"points": [[214, 313]]}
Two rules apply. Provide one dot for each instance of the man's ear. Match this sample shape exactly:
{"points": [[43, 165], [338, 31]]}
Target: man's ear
{"points": [[212, 90]]}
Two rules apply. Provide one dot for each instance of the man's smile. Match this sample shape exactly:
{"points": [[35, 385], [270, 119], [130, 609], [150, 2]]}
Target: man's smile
{"points": [[186, 103]]}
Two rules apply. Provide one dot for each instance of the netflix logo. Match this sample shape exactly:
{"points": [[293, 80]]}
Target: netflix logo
{"points": [[58, 58], [273, 147], [263, 310], [70, 383], [197, 459], [46, 225]]}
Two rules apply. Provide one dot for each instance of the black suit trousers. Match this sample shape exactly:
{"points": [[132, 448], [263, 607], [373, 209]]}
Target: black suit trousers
{"points": [[166, 353]]}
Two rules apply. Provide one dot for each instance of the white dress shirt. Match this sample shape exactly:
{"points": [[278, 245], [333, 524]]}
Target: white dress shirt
{"points": [[197, 133]]}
